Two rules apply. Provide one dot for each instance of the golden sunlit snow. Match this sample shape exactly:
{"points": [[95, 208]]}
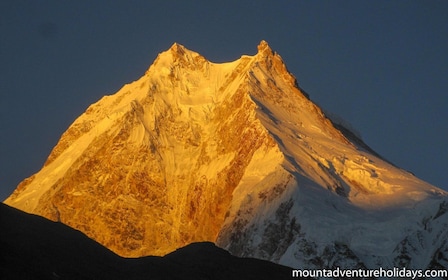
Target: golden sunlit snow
{"points": [[199, 151]]}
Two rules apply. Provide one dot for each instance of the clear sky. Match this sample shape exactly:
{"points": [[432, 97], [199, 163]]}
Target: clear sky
{"points": [[380, 65]]}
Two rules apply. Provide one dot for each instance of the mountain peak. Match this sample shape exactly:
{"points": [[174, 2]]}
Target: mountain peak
{"points": [[235, 154], [178, 54], [264, 48], [178, 49]]}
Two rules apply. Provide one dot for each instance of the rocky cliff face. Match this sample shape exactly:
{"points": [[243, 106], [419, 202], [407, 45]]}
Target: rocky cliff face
{"points": [[153, 167], [237, 154]]}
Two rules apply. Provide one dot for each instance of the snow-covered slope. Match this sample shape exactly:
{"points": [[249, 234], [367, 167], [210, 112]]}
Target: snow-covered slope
{"points": [[237, 154]]}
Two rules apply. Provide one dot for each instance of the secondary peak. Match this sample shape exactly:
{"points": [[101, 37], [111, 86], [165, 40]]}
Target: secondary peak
{"points": [[263, 48], [177, 48]]}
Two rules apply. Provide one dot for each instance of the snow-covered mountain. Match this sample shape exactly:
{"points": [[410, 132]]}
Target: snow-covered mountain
{"points": [[237, 154]]}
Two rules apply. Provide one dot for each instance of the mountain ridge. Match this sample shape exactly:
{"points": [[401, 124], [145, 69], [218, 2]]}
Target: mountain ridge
{"points": [[36, 248], [234, 153]]}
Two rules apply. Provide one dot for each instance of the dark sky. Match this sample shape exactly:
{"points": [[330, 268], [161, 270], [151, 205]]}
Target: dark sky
{"points": [[380, 65]]}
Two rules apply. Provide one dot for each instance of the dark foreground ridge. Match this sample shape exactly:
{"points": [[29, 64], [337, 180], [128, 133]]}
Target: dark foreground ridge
{"points": [[32, 247]]}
